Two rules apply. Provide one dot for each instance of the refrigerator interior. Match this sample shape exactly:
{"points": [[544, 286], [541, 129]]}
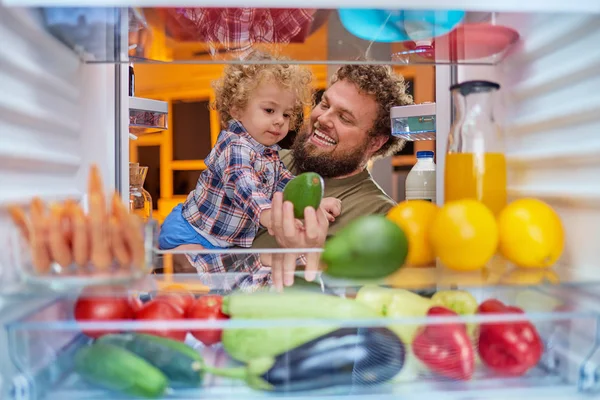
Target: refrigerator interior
{"points": [[63, 106]]}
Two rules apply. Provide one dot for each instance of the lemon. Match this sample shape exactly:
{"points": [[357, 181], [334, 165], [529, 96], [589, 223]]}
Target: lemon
{"points": [[529, 277], [415, 218], [464, 235], [531, 234]]}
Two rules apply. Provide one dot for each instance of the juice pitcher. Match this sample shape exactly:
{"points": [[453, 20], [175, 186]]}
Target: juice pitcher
{"points": [[475, 164], [140, 201]]}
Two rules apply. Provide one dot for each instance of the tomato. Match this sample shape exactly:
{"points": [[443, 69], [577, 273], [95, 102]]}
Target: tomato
{"points": [[136, 304], [102, 308], [162, 310], [181, 300], [209, 308]]}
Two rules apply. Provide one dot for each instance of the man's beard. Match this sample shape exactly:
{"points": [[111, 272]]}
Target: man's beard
{"points": [[309, 158]]}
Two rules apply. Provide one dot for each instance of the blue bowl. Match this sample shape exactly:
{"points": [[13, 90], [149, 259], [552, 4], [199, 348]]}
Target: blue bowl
{"points": [[389, 25]]}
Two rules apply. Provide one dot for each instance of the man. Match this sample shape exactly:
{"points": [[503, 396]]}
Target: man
{"points": [[348, 128]]}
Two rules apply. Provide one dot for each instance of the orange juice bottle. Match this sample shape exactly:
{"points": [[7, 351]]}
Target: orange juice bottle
{"points": [[475, 166]]}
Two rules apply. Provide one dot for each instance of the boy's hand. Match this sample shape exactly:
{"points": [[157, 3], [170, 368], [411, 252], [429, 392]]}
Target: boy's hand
{"points": [[332, 207]]}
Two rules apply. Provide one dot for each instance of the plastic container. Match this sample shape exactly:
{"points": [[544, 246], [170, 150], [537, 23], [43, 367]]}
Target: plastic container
{"points": [[414, 122], [147, 116], [420, 182], [43, 345]]}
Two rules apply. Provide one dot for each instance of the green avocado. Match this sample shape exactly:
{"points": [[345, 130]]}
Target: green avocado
{"points": [[305, 190], [370, 247]]}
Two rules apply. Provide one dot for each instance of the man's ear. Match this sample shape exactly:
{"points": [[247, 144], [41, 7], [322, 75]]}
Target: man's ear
{"points": [[377, 142]]}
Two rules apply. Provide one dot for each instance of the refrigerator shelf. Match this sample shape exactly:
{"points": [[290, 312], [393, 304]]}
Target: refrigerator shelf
{"points": [[198, 271], [43, 345], [531, 6], [194, 35]]}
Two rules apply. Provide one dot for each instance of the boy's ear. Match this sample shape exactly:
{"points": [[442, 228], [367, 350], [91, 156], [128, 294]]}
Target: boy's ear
{"points": [[234, 112]]}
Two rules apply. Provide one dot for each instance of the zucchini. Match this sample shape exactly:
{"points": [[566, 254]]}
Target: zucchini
{"points": [[251, 343], [115, 368], [178, 361], [263, 305]]}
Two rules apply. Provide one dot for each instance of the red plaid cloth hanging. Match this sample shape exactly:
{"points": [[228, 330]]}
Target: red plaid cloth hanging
{"points": [[238, 28]]}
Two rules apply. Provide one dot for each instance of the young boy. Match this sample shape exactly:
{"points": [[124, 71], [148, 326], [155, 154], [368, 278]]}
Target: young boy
{"points": [[258, 105]]}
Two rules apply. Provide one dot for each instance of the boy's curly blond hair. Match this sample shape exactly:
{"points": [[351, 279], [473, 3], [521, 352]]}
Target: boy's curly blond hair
{"points": [[238, 81], [388, 89]]}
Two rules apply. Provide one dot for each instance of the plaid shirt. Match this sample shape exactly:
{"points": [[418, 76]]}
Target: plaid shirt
{"points": [[241, 177]]}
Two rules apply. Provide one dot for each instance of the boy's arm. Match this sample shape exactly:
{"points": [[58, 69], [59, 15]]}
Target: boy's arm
{"points": [[284, 177], [241, 182]]}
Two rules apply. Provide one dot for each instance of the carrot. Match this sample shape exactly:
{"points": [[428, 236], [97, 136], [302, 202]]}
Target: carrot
{"points": [[101, 256], [40, 252], [20, 219], [119, 247], [58, 243], [131, 229], [81, 236]]}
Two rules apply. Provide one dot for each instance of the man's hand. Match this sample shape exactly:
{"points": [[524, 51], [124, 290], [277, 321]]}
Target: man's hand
{"points": [[290, 234]]}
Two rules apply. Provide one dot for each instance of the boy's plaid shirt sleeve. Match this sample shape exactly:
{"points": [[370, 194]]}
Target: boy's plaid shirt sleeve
{"points": [[242, 184], [284, 177]]}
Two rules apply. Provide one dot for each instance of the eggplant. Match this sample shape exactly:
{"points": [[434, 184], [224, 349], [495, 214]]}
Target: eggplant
{"points": [[347, 356]]}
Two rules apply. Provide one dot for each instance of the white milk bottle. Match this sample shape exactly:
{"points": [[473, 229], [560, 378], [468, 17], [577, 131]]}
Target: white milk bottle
{"points": [[420, 182]]}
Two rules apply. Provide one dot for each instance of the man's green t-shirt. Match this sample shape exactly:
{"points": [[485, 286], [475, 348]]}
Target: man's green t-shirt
{"points": [[360, 195]]}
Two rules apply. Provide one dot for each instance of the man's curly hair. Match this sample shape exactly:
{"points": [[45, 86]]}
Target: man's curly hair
{"points": [[388, 89], [238, 81]]}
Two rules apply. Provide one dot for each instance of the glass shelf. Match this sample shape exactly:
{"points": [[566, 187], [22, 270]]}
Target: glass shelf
{"points": [[198, 271], [498, 272], [310, 36]]}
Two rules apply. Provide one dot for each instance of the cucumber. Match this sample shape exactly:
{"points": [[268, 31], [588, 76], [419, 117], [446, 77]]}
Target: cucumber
{"points": [[115, 368], [178, 361]]}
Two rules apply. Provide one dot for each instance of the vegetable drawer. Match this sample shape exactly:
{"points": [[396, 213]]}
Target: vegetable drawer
{"points": [[323, 340]]}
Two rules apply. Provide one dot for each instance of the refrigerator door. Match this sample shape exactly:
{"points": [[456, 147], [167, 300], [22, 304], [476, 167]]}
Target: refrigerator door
{"points": [[57, 116], [549, 108]]}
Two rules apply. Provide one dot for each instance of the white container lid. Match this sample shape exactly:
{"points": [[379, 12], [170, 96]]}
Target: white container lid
{"points": [[413, 110]]}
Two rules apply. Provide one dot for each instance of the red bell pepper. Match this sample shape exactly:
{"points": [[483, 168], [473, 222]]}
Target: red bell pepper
{"points": [[446, 348], [510, 348]]}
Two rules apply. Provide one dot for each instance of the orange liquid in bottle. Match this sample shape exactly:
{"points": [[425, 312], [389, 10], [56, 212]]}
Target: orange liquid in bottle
{"points": [[476, 176]]}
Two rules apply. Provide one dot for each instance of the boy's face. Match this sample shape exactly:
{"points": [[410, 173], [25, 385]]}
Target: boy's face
{"points": [[268, 113]]}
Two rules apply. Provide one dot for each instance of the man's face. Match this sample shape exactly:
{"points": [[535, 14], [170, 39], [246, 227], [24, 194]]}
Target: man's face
{"points": [[337, 142]]}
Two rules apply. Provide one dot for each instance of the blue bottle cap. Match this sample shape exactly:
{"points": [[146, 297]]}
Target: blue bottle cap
{"points": [[424, 154]]}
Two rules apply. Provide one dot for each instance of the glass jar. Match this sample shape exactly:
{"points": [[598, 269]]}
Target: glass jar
{"points": [[475, 166], [140, 201]]}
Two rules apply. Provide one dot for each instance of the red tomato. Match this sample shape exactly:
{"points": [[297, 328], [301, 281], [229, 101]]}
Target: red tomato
{"points": [[181, 300], [136, 304], [209, 308], [162, 310], [102, 308]]}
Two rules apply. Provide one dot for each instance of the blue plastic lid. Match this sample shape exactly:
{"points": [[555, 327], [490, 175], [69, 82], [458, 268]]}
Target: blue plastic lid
{"points": [[387, 26], [424, 154]]}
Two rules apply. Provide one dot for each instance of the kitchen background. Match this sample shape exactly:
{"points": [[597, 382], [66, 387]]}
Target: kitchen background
{"points": [[175, 156]]}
